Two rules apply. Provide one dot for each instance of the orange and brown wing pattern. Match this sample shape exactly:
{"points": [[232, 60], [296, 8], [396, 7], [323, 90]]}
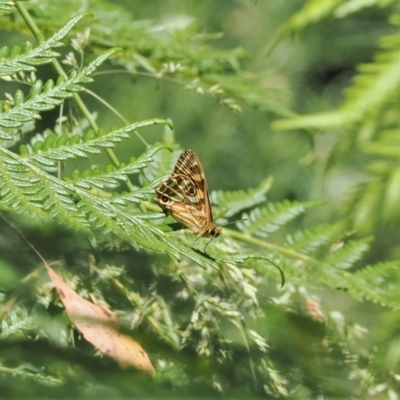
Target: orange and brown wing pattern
{"points": [[184, 195]]}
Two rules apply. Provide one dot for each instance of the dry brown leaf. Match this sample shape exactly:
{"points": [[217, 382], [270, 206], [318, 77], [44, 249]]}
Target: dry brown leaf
{"points": [[95, 321], [99, 326]]}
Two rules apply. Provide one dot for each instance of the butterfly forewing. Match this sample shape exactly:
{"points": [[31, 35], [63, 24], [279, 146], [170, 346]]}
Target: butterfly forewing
{"points": [[184, 195]]}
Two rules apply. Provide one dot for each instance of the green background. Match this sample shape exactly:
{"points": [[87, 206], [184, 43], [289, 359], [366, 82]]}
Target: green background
{"points": [[307, 72]]}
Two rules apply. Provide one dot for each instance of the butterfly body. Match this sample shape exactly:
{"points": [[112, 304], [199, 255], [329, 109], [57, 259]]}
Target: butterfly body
{"points": [[184, 196]]}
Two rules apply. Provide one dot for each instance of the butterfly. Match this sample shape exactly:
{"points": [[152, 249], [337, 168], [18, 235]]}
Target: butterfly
{"points": [[184, 195]]}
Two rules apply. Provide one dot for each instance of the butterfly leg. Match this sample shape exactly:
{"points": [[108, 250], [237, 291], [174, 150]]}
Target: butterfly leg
{"points": [[207, 245], [204, 250], [198, 237]]}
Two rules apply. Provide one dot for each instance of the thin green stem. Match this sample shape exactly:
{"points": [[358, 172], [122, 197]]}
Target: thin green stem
{"points": [[19, 371], [270, 246]]}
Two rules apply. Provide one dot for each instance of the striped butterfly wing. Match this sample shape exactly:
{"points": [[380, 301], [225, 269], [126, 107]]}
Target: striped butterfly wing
{"points": [[184, 195]]}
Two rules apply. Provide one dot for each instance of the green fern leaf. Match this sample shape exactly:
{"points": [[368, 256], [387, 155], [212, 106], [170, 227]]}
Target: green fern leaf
{"points": [[309, 240], [315, 11], [6, 6], [353, 6], [385, 294], [12, 196], [231, 203], [17, 323], [350, 253], [25, 188], [48, 96], [312, 12], [375, 85], [25, 59], [381, 273], [381, 278], [67, 204], [264, 221], [60, 148], [112, 176]]}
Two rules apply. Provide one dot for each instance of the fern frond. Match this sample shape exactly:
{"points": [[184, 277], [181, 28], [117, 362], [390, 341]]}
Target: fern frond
{"points": [[6, 6], [48, 96], [374, 86], [379, 273], [27, 188], [359, 289], [16, 324], [312, 12], [15, 179], [62, 147], [107, 218], [112, 176], [26, 58], [309, 240], [377, 198], [232, 202], [387, 146], [315, 11], [363, 289], [383, 278], [137, 196], [353, 6], [327, 273], [264, 221], [350, 253]]}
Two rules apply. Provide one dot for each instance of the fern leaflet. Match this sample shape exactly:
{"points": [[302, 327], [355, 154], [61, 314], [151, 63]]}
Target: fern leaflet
{"points": [[232, 202], [43, 97], [264, 221], [309, 240], [26, 58]]}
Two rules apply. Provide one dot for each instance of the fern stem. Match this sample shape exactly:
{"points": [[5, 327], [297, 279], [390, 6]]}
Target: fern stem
{"points": [[28, 19], [45, 379], [108, 105], [270, 246], [174, 339], [35, 30]]}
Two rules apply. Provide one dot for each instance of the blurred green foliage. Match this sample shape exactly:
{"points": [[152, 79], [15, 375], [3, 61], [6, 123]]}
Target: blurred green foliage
{"points": [[292, 109]]}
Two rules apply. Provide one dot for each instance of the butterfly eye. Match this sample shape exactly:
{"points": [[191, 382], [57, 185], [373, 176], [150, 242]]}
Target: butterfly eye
{"points": [[165, 199], [214, 232]]}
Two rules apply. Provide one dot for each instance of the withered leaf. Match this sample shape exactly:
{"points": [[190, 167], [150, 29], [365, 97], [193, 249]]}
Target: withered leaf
{"points": [[99, 326]]}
